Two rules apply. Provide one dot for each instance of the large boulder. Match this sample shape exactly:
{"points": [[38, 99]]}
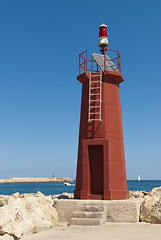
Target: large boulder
{"points": [[156, 192], [27, 214], [151, 210]]}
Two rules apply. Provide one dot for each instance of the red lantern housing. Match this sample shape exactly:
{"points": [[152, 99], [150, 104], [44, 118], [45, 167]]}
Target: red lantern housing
{"points": [[102, 30], [103, 39]]}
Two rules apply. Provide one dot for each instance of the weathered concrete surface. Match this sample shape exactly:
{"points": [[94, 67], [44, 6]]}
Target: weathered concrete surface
{"points": [[117, 210], [108, 231]]}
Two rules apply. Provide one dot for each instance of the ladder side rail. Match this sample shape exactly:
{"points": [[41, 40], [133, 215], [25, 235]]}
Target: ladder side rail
{"points": [[89, 103], [100, 93], [91, 63]]}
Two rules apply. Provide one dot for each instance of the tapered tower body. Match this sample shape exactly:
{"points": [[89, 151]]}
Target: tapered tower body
{"points": [[101, 171]]}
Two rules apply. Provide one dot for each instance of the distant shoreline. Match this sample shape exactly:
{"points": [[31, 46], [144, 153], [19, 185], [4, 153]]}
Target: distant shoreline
{"points": [[35, 180]]}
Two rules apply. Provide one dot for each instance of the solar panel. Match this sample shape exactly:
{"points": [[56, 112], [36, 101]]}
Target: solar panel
{"points": [[100, 61]]}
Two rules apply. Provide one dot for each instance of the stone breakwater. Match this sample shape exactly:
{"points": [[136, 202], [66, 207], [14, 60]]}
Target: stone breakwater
{"points": [[36, 180], [25, 214]]}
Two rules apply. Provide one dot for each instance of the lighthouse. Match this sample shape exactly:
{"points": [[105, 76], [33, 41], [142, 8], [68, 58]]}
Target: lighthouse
{"points": [[101, 171]]}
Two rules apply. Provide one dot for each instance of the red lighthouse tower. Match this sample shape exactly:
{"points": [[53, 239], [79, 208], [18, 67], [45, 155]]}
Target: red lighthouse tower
{"points": [[101, 172]]}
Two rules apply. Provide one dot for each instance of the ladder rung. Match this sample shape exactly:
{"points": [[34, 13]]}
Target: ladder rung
{"points": [[95, 81], [94, 106], [94, 113], [95, 120], [99, 106], [93, 100], [95, 88], [93, 94]]}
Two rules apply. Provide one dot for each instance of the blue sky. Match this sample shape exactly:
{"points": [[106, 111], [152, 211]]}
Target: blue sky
{"points": [[40, 97]]}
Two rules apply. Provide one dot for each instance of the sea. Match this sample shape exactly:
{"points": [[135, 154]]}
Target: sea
{"points": [[58, 188]]}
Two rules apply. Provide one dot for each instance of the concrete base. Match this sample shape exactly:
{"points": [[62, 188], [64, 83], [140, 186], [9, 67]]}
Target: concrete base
{"points": [[117, 210]]}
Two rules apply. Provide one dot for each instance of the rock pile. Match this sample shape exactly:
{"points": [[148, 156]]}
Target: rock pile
{"points": [[25, 214]]}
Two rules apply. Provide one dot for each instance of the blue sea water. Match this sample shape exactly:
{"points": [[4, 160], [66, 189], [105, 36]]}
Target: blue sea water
{"points": [[58, 188]]}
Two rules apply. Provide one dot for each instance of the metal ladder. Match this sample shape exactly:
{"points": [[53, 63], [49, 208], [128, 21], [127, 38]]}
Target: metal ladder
{"points": [[95, 100]]}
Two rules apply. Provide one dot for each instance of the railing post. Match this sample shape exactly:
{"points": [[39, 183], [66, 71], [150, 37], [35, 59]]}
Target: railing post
{"points": [[79, 65], [86, 60], [104, 61], [91, 64], [120, 62]]}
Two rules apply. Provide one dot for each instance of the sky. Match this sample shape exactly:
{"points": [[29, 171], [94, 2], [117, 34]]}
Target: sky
{"points": [[40, 97]]}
